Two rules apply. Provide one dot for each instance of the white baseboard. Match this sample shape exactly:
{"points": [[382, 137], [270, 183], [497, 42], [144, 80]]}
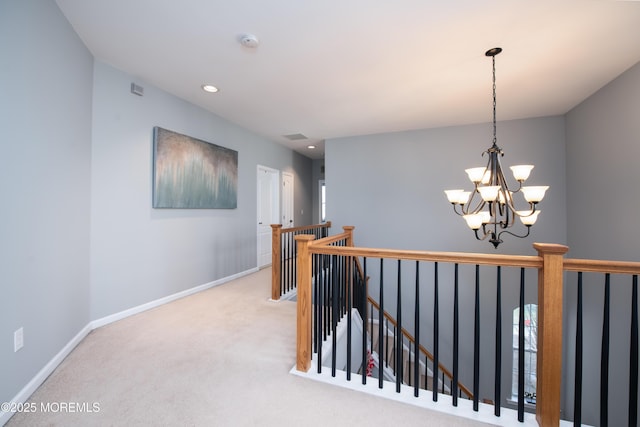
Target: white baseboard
{"points": [[44, 373], [41, 376], [161, 301]]}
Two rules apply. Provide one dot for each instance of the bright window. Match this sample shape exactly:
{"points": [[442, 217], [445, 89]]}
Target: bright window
{"points": [[323, 202], [530, 352]]}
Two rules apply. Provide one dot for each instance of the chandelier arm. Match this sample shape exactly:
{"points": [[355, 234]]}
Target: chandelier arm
{"points": [[495, 239], [455, 209], [481, 204], [516, 235], [486, 234]]}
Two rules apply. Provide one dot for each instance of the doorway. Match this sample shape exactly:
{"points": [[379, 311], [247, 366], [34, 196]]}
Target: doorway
{"points": [[268, 211], [287, 200]]}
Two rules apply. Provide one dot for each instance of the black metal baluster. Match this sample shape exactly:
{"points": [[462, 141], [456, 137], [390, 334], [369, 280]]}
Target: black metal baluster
{"points": [[315, 299], [633, 356], [291, 263], [321, 303], [331, 291], [294, 264], [454, 390], [341, 275], [288, 263], [334, 323], [339, 285], [345, 287], [349, 287], [399, 333], [426, 370], [327, 296], [476, 342], [577, 399], [283, 261], [372, 338], [416, 363], [386, 343], [365, 358], [435, 333], [287, 267], [409, 383], [497, 395], [521, 350], [381, 323], [604, 357]]}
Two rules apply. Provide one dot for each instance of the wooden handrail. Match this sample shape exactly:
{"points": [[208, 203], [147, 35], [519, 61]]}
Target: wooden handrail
{"points": [[321, 247], [326, 241], [306, 227], [601, 266]]}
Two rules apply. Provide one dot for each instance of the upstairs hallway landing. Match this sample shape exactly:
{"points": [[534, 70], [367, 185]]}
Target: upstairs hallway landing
{"points": [[221, 357]]}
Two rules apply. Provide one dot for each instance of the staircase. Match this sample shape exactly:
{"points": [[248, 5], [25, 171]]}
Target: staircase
{"points": [[408, 360], [382, 356]]}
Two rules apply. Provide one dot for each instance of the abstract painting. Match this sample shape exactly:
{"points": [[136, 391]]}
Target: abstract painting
{"points": [[192, 174]]}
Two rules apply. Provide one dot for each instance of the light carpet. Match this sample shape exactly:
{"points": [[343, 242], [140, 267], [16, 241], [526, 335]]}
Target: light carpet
{"points": [[220, 357]]}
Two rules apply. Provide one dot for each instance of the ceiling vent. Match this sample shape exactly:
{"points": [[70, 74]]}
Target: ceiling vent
{"points": [[295, 137]]}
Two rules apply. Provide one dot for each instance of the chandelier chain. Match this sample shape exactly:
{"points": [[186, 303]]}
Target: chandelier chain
{"points": [[495, 139]]}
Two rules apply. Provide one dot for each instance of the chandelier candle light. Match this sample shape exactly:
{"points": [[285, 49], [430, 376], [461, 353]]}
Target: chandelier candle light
{"points": [[489, 209]]}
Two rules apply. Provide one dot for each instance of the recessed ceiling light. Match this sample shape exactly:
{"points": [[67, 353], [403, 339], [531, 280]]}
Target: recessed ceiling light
{"points": [[311, 147], [209, 88]]}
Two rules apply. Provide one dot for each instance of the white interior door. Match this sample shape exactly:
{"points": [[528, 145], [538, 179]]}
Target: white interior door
{"points": [[268, 211], [287, 200]]}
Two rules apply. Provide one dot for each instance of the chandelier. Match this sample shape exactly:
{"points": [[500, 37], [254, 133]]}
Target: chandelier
{"points": [[490, 209]]}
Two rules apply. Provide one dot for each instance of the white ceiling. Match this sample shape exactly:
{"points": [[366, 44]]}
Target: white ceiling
{"points": [[334, 68]]}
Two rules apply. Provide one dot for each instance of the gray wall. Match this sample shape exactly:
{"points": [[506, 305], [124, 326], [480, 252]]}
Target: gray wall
{"points": [[139, 253], [79, 239], [603, 148], [390, 186], [317, 174], [45, 178]]}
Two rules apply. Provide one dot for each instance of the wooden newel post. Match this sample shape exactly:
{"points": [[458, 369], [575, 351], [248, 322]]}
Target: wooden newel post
{"points": [[349, 229], [303, 326], [549, 367], [276, 261]]}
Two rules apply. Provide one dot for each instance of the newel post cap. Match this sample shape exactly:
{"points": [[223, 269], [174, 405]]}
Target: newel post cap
{"points": [[550, 248]]}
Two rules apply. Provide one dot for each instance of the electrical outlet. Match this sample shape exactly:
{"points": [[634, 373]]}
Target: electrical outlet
{"points": [[18, 339]]}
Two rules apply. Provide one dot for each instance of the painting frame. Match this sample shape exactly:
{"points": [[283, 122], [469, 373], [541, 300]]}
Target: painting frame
{"points": [[189, 173]]}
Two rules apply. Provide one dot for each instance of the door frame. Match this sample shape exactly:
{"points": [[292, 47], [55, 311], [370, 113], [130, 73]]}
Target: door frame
{"points": [[275, 200], [283, 195]]}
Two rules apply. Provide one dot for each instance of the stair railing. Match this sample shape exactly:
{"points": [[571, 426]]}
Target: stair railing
{"points": [[549, 266], [283, 255], [415, 356], [417, 351], [308, 248], [613, 278]]}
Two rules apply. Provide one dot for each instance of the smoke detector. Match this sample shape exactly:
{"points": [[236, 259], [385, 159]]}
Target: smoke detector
{"points": [[249, 40]]}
